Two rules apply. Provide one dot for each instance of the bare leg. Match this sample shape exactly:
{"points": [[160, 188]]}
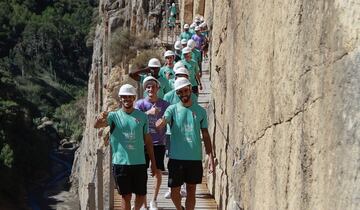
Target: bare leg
{"points": [[139, 201], [126, 201], [176, 197], [157, 187], [145, 202], [190, 197]]}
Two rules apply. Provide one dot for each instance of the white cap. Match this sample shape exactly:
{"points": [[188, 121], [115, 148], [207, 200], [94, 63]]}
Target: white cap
{"points": [[197, 19], [197, 28], [191, 43], [183, 41], [193, 25], [127, 90], [177, 45], [181, 82], [178, 64], [168, 53], [154, 62], [186, 26], [182, 70], [150, 78], [186, 50], [173, 4]]}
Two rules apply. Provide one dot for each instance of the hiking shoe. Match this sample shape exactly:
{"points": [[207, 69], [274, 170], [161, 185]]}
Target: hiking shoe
{"points": [[153, 205], [183, 192], [167, 194]]}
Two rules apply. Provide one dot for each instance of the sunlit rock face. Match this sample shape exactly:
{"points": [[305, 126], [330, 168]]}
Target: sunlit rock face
{"points": [[285, 115]]}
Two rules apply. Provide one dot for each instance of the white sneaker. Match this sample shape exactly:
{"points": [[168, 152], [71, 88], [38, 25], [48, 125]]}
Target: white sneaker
{"points": [[183, 192], [168, 194], [153, 205]]}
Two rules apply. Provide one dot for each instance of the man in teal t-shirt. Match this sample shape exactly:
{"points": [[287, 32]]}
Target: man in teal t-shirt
{"points": [[187, 120], [129, 132], [193, 68]]}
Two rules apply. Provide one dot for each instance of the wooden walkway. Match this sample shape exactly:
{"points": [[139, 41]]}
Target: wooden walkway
{"points": [[204, 201]]}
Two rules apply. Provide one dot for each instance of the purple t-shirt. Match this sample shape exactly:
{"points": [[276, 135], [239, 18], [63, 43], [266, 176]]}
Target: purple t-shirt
{"points": [[158, 136], [199, 40]]}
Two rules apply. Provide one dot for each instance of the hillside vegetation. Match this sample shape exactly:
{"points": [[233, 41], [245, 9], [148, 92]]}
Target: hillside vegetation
{"points": [[44, 66]]}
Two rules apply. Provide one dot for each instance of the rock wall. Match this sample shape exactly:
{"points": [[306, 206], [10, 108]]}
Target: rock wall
{"points": [[104, 82], [285, 115]]}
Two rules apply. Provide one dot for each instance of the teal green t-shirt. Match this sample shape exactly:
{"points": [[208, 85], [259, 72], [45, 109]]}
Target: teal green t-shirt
{"points": [[193, 69], [166, 69], [173, 98], [185, 35], [127, 138], [186, 124], [164, 86]]}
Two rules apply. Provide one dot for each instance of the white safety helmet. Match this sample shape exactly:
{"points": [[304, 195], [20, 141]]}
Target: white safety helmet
{"points": [[191, 43], [127, 90], [197, 19], [203, 25], [186, 50], [169, 53], [177, 45], [173, 4], [197, 28], [183, 41], [181, 82], [186, 26], [154, 62], [181, 70], [178, 64], [149, 79], [193, 25]]}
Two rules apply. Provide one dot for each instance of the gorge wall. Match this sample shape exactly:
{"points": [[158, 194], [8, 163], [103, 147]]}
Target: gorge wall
{"points": [[285, 115]]}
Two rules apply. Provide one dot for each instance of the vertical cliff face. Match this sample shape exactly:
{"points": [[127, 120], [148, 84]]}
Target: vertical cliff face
{"points": [[285, 116], [104, 82]]}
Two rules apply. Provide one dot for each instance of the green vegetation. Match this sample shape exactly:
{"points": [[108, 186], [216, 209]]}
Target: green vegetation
{"points": [[130, 48], [44, 66]]}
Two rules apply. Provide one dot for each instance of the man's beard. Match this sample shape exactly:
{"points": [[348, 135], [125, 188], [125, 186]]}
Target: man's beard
{"points": [[127, 104], [185, 99]]}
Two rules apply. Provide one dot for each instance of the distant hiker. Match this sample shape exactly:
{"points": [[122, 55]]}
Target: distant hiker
{"points": [[198, 38], [193, 68], [129, 133], [152, 69], [172, 10], [186, 33], [167, 71], [177, 49], [186, 120], [183, 43], [154, 108], [195, 54]]}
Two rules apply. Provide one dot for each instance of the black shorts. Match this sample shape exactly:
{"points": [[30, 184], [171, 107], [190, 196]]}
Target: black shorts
{"points": [[130, 179], [188, 171], [159, 153]]}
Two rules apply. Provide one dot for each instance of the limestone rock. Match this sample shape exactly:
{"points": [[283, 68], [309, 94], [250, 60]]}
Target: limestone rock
{"points": [[285, 116]]}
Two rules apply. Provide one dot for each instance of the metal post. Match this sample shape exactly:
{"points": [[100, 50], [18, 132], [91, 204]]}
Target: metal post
{"points": [[91, 192], [111, 184], [100, 180]]}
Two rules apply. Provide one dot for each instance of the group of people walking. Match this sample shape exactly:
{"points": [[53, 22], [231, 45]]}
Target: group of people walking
{"points": [[167, 118]]}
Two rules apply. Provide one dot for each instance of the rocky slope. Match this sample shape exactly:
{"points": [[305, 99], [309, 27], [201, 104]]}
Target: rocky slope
{"points": [[285, 117]]}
